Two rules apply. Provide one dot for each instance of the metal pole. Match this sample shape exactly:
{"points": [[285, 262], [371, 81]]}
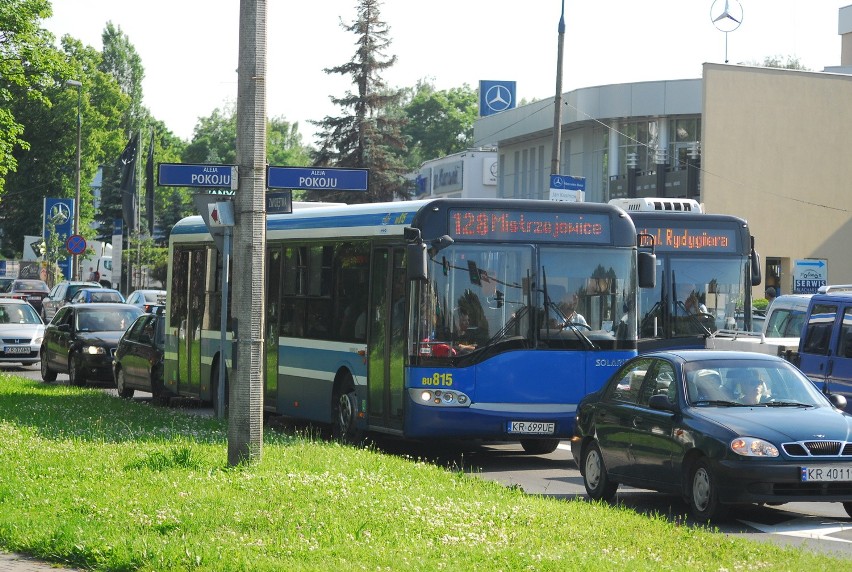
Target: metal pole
{"points": [[223, 323], [75, 268], [557, 102]]}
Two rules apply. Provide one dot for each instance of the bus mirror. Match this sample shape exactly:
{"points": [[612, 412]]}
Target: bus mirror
{"points": [[647, 269], [756, 277], [417, 261]]}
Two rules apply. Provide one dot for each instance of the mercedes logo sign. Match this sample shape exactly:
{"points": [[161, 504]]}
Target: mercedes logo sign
{"points": [[60, 213]]}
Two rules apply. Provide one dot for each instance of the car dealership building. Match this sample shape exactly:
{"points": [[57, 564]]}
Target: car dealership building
{"points": [[766, 144]]}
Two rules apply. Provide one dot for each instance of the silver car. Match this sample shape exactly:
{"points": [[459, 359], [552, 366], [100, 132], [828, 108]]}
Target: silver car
{"points": [[21, 332]]}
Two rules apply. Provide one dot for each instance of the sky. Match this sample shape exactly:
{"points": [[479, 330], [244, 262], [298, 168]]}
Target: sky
{"points": [[189, 48]]}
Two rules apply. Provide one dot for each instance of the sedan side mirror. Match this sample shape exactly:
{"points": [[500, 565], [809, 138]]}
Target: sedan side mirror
{"points": [[662, 403], [838, 401]]}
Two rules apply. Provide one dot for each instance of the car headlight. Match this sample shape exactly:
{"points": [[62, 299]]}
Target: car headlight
{"points": [[37, 340], [94, 350], [751, 447]]}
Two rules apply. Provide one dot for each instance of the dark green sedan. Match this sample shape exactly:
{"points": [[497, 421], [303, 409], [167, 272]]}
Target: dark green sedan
{"points": [[719, 428]]}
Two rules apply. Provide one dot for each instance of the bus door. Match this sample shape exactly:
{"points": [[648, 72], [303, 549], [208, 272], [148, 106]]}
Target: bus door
{"points": [[189, 332], [387, 338], [274, 265]]}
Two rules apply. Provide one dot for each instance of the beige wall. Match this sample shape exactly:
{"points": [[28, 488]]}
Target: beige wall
{"points": [[776, 151]]}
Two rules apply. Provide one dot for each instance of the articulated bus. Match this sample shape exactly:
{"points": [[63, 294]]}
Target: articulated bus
{"points": [[440, 318], [706, 266]]}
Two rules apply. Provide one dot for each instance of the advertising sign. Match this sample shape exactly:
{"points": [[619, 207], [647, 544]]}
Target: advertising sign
{"points": [[809, 274], [58, 215]]}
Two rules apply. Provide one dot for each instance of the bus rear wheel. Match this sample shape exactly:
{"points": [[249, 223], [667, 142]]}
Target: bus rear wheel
{"points": [[344, 426]]}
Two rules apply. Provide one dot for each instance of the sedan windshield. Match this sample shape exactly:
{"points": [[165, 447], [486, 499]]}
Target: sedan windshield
{"points": [[749, 383], [18, 314]]}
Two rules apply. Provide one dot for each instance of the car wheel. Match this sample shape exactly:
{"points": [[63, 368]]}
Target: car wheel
{"points": [[158, 390], [215, 392], [704, 493], [47, 374], [595, 478], [539, 446], [121, 385], [345, 414], [75, 376]]}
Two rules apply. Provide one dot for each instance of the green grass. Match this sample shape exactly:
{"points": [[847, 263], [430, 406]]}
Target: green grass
{"points": [[96, 482]]}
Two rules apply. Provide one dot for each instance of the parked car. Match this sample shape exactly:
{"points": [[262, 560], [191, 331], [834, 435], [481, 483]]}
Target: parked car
{"points": [[720, 428], [148, 300], [21, 332], [60, 295], [138, 362], [81, 341], [5, 281], [786, 315], [33, 291], [89, 295]]}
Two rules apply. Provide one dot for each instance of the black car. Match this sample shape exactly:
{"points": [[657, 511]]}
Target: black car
{"points": [[81, 340], [719, 428], [138, 360]]}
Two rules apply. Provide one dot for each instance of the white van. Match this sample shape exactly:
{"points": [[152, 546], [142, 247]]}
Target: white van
{"points": [[786, 315]]}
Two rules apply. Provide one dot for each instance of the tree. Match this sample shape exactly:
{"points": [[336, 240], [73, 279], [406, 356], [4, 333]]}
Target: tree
{"points": [[48, 167], [791, 63], [370, 136], [120, 61], [29, 67], [440, 123]]}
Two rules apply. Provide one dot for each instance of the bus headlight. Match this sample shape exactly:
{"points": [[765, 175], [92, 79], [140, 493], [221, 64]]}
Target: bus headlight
{"points": [[439, 397]]}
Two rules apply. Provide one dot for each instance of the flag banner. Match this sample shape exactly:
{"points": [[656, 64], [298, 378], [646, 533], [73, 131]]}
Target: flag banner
{"points": [[127, 167], [149, 186]]}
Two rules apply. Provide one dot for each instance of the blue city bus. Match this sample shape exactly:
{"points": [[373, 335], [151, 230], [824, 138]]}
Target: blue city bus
{"points": [[706, 266], [447, 318]]}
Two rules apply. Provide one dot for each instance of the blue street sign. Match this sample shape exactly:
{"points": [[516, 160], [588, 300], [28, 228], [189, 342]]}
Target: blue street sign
{"points": [[59, 214], [567, 182], [184, 175], [316, 178]]}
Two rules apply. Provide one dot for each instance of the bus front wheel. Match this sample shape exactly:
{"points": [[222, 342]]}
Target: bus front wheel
{"points": [[345, 414], [539, 446]]}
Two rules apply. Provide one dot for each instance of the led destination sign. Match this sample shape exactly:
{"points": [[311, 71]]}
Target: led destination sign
{"points": [[692, 239], [515, 226]]}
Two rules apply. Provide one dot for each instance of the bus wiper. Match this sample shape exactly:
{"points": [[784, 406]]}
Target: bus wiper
{"points": [[566, 323], [693, 319]]}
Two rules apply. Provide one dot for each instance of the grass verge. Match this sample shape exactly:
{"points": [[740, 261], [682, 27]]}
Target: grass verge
{"points": [[96, 482]]}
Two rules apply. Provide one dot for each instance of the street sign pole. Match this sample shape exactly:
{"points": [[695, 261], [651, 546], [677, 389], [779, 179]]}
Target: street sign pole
{"points": [[223, 323]]}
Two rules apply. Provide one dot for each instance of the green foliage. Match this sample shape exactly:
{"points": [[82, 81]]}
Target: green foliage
{"points": [[440, 123], [369, 135], [48, 168], [99, 483], [790, 63], [29, 66]]}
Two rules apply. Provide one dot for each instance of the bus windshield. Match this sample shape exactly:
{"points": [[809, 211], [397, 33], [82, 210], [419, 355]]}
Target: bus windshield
{"points": [[695, 296], [480, 299]]}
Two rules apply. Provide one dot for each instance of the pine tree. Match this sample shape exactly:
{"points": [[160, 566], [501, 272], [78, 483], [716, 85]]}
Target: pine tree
{"points": [[370, 136]]}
